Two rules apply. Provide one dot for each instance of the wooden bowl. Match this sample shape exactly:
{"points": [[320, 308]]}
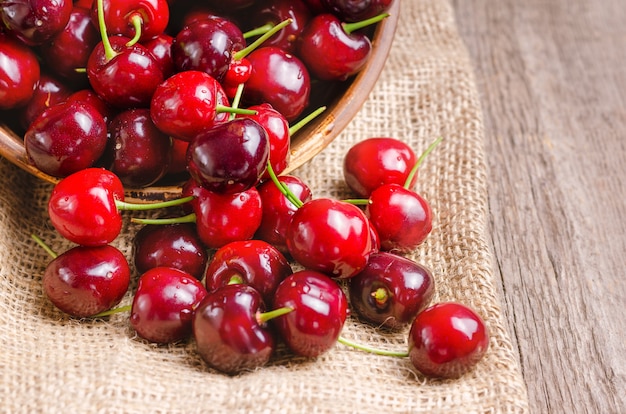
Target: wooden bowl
{"points": [[345, 101]]}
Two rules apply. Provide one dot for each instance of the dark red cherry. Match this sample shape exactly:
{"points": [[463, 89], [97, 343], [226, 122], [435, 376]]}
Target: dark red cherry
{"points": [[35, 22], [330, 236], [66, 138], [447, 340], [280, 79], [229, 334], [320, 309], [272, 12], [391, 290], [252, 262], [160, 47], [402, 218], [164, 304], [173, 245], [230, 157], [376, 161], [124, 17], [140, 151], [178, 161], [356, 10], [278, 210], [85, 281], [89, 96], [49, 92], [19, 73]]}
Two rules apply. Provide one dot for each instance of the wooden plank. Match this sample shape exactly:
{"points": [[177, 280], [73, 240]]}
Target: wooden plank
{"points": [[552, 80]]}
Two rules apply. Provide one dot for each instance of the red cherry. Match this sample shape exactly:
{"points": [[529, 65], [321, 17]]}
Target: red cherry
{"points": [[320, 309], [402, 218], [163, 306], [447, 340], [19, 73], [272, 12], [140, 19], [35, 22], [356, 10], [330, 236], [89, 96], [252, 262], [49, 92], [85, 281], [160, 47], [376, 161]]}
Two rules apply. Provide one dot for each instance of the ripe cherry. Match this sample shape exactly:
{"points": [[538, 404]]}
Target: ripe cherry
{"points": [[272, 12], [391, 290], [447, 340], [19, 72], [320, 309], [356, 10], [164, 304], [49, 92], [35, 22], [138, 20]]}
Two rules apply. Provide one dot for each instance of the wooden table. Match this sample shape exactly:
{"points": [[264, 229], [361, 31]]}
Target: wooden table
{"points": [[552, 80]]}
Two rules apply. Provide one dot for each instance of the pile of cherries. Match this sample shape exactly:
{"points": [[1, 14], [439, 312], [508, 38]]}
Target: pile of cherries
{"points": [[128, 84]]}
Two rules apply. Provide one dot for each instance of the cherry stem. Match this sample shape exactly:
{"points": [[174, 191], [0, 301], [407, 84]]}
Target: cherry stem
{"points": [[236, 100], [189, 218], [137, 21], [252, 46], [263, 317], [122, 205], [301, 123], [380, 295], [420, 161], [47, 248], [113, 311], [257, 31], [351, 27], [283, 187], [361, 347], [240, 111], [357, 201], [109, 53], [235, 280]]}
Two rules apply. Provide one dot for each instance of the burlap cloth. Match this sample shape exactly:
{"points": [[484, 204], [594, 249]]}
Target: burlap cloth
{"points": [[51, 363]]}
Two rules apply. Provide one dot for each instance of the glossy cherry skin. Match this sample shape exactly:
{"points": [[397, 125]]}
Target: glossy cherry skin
{"points": [[330, 236], [141, 152], [160, 47], [85, 281], [447, 340], [66, 138], [164, 303], [320, 309], [391, 290], [356, 10], [35, 22], [127, 80], [82, 207], [185, 104], [118, 14], [19, 73], [252, 262], [280, 79], [49, 92], [278, 210], [89, 96], [350, 51], [224, 218], [402, 218], [373, 162], [74, 43], [228, 333], [276, 11], [208, 46], [230, 157], [173, 245]]}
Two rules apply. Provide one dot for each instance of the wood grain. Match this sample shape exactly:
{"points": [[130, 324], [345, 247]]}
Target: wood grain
{"points": [[552, 80]]}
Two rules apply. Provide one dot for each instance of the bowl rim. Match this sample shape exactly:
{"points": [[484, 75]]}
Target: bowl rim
{"points": [[319, 133]]}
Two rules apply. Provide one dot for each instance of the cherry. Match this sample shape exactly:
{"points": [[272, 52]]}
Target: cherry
{"points": [[391, 290], [447, 340], [160, 46], [85, 280], [140, 151], [139, 20], [164, 303], [89, 96], [351, 49], [280, 79], [35, 22], [178, 161], [230, 329], [252, 262], [230, 157], [330, 236], [278, 210], [356, 10], [376, 161], [19, 72], [49, 92], [66, 138], [320, 309]]}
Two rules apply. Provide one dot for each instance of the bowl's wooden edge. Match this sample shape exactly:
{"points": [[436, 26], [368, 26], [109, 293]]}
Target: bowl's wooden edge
{"points": [[319, 133]]}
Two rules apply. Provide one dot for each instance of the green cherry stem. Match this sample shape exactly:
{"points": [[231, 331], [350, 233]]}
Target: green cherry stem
{"points": [[137, 21], [122, 205], [420, 161], [351, 27], [109, 53], [301, 123], [283, 187], [263, 317], [236, 100], [252, 46], [47, 248], [113, 311], [189, 218], [258, 31], [371, 350]]}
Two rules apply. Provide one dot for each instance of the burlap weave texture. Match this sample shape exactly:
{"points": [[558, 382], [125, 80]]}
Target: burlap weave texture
{"points": [[51, 363]]}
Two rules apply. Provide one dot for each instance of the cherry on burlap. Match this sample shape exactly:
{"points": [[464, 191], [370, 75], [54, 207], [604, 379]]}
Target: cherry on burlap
{"points": [[51, 363]]}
